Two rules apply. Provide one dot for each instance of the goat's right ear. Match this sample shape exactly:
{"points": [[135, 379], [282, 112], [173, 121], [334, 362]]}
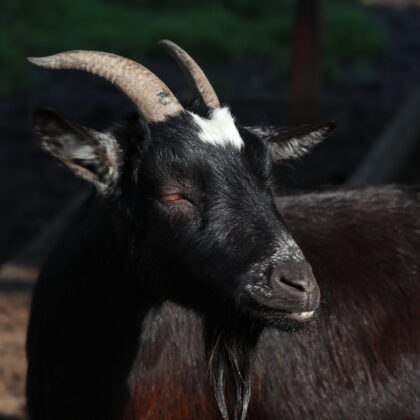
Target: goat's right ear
{"points": [[294, 142], [89, 154]]}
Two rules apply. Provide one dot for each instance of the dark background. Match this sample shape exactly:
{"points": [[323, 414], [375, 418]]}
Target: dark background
{"points": [[368, 65]]}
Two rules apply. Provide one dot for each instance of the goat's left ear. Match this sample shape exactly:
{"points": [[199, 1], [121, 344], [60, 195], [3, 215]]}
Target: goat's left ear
{"points": [[294, 142]]}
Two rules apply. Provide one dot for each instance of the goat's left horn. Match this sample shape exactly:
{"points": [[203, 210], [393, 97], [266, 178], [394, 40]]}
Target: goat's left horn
{"points": [[193, 73], [149, 94]]}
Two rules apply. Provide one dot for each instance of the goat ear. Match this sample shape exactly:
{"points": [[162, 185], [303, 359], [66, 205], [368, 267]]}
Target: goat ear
{"points": [[294, 142], [89, 154]]}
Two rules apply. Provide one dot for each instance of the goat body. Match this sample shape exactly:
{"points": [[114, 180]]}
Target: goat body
{"points": [[121, 359], [180, 292]]}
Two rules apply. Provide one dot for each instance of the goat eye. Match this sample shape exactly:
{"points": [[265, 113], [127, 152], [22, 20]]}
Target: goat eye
{"points": [[175, 200], [172, 197]]}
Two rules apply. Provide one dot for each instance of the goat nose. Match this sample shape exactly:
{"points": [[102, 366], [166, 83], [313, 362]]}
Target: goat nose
{"points": [[296, 275], [303, 284]]}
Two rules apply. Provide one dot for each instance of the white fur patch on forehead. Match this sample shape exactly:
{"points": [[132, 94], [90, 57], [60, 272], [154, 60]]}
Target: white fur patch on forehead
{"points": [[219, 129]]}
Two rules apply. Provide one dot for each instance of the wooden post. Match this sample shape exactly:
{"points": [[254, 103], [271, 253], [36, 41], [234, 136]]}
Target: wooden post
{"points": [[306, 61]]}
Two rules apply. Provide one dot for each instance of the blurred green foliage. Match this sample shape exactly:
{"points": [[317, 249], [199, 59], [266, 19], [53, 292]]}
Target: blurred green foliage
{"points": [[214, 30]]}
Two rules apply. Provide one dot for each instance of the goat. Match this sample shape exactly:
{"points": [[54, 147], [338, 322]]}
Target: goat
{"points": [[178, 284]]}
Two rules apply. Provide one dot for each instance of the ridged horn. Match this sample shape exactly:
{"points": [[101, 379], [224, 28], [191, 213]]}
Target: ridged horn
{"points": [[149, 94], [193, 73]]}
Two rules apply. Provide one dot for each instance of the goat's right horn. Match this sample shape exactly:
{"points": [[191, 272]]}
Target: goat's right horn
{"points": [[149, 94], [193, 73]]}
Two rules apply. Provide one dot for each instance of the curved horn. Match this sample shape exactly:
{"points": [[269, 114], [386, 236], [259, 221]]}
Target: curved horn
{"points": [[149, 94], [193, 73]]}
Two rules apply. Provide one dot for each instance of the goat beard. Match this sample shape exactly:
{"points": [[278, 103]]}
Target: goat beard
{"points": [[230, 351]]}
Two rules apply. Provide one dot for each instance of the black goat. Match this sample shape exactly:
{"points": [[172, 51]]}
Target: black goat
{"points": [[179, 276]]}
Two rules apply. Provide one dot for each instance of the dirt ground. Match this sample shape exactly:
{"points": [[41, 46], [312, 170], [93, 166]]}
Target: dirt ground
{"points": [[13, 320], [34, 190]]}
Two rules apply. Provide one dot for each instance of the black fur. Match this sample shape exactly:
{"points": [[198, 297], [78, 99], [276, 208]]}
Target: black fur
{"points": [[146, 305]]}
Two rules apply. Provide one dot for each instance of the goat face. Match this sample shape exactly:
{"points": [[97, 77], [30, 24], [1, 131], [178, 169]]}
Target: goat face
{"points": [[193, 197], [191, 193]]}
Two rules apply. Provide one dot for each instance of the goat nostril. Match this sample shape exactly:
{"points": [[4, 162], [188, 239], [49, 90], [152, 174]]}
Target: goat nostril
{"points": [[302, 284], [297, 276]]}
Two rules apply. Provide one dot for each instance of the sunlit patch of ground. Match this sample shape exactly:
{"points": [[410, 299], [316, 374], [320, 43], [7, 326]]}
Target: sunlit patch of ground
{"points": [[14, 308]]}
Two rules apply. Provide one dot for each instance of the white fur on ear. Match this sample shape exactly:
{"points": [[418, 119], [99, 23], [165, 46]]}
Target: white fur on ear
{"points": [[92, 155], [296, 147], [294, 142]]}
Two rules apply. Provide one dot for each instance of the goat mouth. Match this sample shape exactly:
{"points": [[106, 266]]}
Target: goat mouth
{"points": [[301, 316], [294, 304], [298, 307], [294, 317]]}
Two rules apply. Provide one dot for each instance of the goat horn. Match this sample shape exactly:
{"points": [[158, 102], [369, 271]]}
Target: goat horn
{"points": [[149, 94], [192, 72]]}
